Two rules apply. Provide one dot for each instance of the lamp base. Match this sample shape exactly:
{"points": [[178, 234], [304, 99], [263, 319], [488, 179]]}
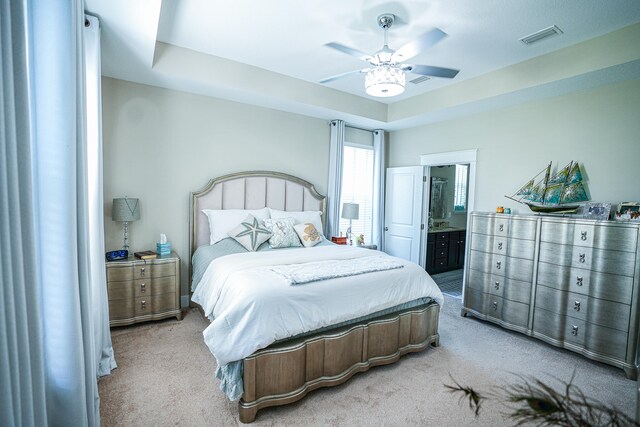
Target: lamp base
{"points": [[125, 245]]}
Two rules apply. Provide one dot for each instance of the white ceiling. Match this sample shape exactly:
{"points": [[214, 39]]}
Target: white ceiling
{"points": [[272, 53]]}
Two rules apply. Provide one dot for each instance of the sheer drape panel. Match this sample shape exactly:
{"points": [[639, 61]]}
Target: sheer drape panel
{"points": [[334, 188], [22, 388], [379, 166], [104, 358]]}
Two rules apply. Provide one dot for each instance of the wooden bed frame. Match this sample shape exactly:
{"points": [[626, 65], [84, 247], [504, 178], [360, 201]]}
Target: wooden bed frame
{"points": [[285, 372]]}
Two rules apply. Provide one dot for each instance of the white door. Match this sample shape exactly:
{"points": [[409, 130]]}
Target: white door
{"points": [[403, 212]]}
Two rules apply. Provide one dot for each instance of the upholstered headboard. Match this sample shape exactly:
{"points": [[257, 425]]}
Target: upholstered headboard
{"points": [[250, 190]]}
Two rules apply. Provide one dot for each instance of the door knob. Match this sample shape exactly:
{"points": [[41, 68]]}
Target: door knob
{"points": [[386, 229]]}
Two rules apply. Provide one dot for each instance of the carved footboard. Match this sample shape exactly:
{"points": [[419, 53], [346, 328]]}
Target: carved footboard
{"points": [[286, 372]]}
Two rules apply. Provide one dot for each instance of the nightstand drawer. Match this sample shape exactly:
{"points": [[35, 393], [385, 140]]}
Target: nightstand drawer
{"points": [[140, 270], [121, 309]]}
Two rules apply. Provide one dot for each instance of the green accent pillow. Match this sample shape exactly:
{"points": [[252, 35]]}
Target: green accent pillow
{"points": [[250, 233]]}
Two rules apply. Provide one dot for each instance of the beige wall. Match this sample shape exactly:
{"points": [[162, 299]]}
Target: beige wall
{"points": [[161, 144], [599, 128]]}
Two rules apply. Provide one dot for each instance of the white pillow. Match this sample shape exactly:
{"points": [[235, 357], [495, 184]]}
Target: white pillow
{"points": [[221, 221], [308, 234], [314, 217], [282, 233]]}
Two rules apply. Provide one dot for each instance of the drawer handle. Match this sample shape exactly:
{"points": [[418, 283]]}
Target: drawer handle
{"points": [[574, 331], [497, 285], [583, 235], [494, 305], [576, 306], [142, 271], [499, 265], [501, 227], [500, 246], [579, 280], [581, 258], [143, 287], [143, 304]]}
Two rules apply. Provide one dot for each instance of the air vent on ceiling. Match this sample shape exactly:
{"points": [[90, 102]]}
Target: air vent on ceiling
{"points": [[419, 80], [541, 35]]}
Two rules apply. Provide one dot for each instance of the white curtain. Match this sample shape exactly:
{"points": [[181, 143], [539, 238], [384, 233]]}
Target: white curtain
{"points": [[54, 333], [379, 166], [336, 153]]}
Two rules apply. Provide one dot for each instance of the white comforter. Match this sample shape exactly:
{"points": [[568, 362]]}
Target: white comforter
{"points": [[251, 306]]}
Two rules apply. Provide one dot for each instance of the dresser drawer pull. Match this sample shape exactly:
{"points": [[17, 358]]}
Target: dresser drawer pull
{"points": [[576, 306], [494, 305], [143, 287], [501, 227], [499, 265], [143, 304], [579, 280], [583, 235], [581, 258], [574, 331], [500, 246], [142, 271], [497, 285]]}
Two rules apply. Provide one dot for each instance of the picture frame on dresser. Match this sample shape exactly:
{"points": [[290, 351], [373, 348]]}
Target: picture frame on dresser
{"points": [[597, 211]]}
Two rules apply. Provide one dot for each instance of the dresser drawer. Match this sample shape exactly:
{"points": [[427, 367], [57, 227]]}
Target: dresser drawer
{"points": [[604, 261], [120, 290], [163, 302], [504, 246], [599, 312], [612, 237], [500, 265], [511, 312], [155, 286], [597, 339], [505, 226], [514, 290], [606, 286]]}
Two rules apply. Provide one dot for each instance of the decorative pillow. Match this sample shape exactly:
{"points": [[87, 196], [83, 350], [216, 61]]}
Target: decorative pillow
{"points": [[222, 221], [308, 234], [283, 234], [314, 217], [251, 233]]}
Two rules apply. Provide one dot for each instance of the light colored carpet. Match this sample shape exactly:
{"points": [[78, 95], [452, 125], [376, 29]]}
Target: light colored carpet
{"points": [[166, 378], [450, 282]]}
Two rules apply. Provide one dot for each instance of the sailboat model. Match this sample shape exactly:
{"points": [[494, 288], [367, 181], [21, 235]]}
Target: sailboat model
{"points": [[560, 193]]}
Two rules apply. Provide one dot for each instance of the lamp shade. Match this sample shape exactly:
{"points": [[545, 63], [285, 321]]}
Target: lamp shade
{"points": [[384, 80], [125, 209], [350, 210]]}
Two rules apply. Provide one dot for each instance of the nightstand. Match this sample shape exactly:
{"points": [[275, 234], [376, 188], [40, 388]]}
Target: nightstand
{"points": [[142, 290]]}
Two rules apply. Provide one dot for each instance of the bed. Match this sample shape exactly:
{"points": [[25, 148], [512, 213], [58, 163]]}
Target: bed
{"points": [[397, 312]]}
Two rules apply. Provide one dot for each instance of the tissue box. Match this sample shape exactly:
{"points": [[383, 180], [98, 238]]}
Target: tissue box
{"points": [[163, 248]]}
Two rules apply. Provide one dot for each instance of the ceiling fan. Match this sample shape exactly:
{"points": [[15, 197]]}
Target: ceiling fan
{"points": [[387, 75]]}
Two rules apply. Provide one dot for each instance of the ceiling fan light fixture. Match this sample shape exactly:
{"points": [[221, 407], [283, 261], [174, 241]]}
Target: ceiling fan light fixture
{"points": [[384, 81]]}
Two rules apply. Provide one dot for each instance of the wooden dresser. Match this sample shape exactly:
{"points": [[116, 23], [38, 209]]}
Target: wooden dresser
{"points": [[570, 282], [142, 290]]}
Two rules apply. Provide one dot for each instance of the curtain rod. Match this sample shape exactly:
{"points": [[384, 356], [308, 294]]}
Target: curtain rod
{"points": [[356, 127]]}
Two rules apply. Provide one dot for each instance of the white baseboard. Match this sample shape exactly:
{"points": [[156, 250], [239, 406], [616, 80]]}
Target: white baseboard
{"points": [[184, 301]]}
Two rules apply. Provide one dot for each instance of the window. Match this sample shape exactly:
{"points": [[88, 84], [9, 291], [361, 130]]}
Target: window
{"points": [[357, 187], [460, 189]]}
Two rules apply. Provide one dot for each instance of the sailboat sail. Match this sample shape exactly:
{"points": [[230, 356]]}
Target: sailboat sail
{"points": [[560, 192]]}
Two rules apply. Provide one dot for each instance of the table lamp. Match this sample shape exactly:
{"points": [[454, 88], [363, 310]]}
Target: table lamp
{"points": [[125, 210], [350, 211]]}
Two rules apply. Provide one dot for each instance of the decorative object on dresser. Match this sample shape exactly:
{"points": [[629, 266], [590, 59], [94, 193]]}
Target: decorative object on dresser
{"points": [[599, 211], [142, 290], [145, 255], [628, 211], [125, 210], [339, 240], [570, 282], [350, 211], [559, 193]]}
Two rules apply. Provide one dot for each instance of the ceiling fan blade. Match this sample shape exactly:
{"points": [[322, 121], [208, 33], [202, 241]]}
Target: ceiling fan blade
{"points": [[429, 70], [339, 76], [349, 51], [419, 45]]}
